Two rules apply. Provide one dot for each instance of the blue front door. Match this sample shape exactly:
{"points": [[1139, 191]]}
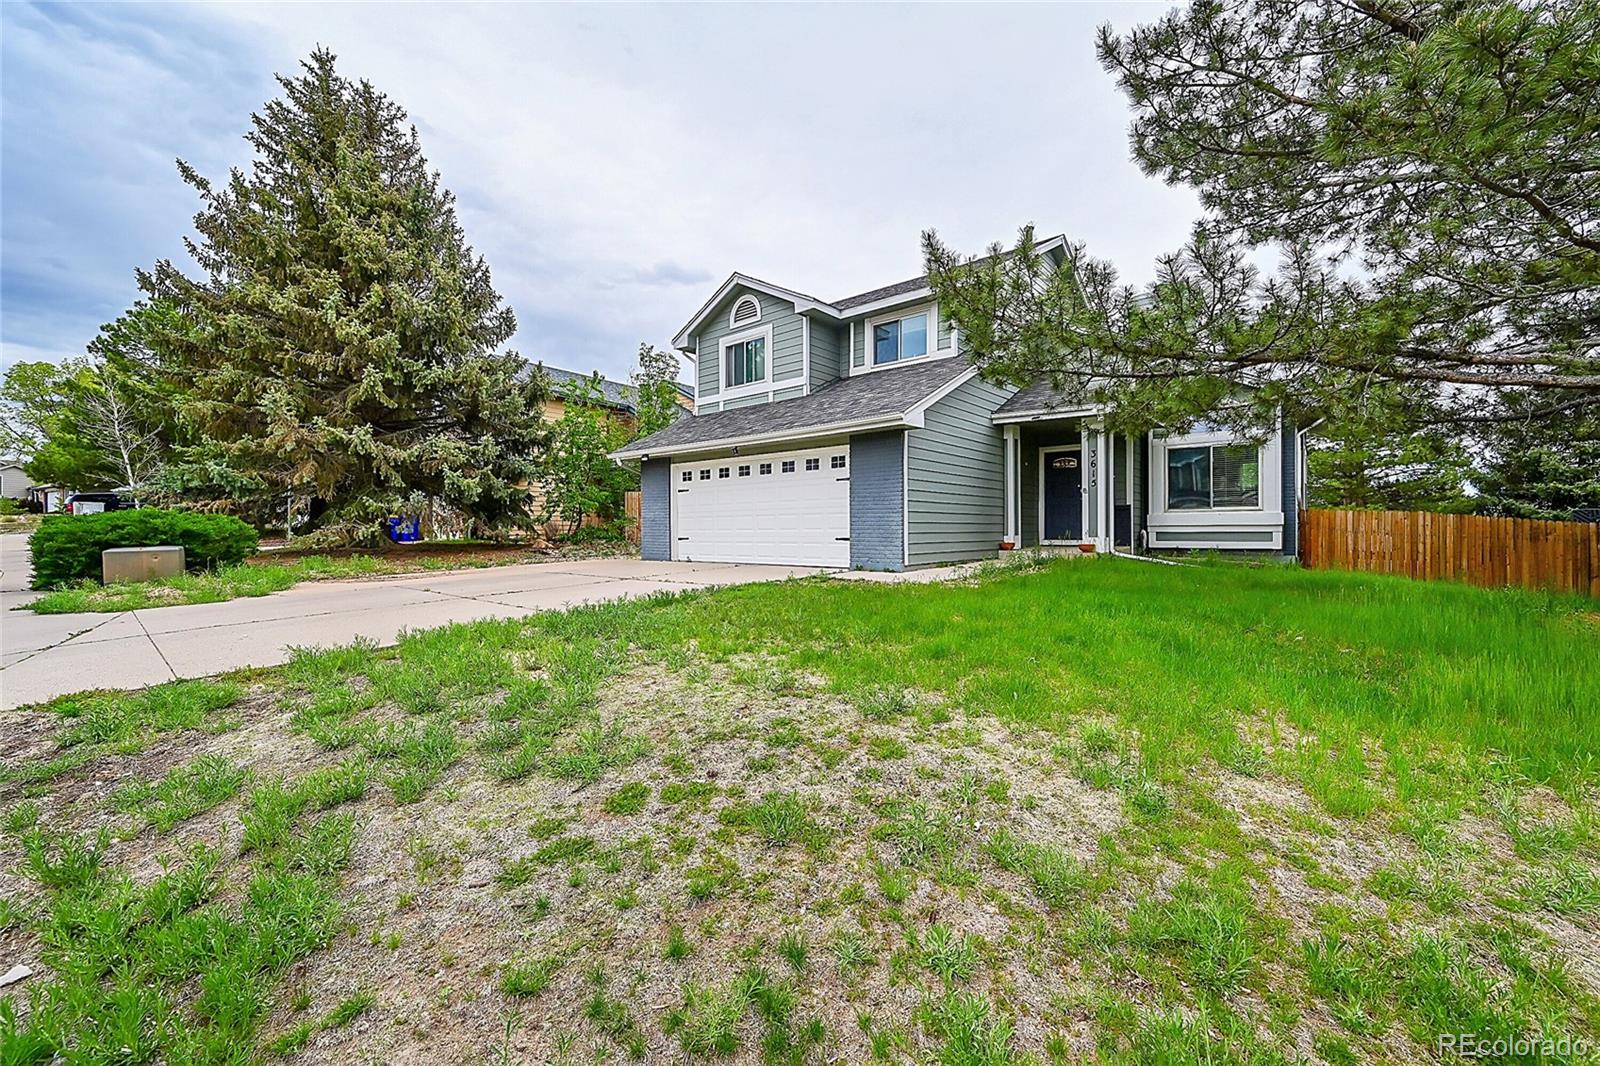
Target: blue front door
{"points": [[1063, 496]]}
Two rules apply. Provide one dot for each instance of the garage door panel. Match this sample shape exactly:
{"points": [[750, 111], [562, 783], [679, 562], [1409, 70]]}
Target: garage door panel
{"points": [[800, 517]]}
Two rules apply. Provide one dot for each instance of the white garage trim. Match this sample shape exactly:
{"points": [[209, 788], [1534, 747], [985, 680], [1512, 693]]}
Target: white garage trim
{"points": [[727, 510]]}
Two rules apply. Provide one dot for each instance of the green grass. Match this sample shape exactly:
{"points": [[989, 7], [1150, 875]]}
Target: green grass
{"points": [[264, 576], [1150, 700], [1422, 670]]}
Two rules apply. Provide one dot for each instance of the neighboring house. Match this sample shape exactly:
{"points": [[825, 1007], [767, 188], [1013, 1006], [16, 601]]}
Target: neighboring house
{"points": [[621, 399], [854, 433], [14, 481]]}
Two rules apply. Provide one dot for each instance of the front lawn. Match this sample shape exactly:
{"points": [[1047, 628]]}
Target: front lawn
{"points": [[1097, 809], [269, 573]]}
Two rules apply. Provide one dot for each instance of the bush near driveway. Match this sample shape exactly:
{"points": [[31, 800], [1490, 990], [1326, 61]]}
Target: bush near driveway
{"points": [[67, 547]]}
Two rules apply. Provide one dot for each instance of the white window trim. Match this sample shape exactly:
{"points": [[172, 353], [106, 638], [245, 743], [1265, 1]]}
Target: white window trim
{"points": [[726, 391], [733, 312], [1269, 513], [934, 351]]}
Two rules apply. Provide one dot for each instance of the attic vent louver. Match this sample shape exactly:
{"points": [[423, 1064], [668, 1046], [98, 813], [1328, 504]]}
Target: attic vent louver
{"points": [[746, 310]]}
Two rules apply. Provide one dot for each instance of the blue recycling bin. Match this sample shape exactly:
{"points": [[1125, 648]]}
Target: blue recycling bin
{"points": [[405, 530]]}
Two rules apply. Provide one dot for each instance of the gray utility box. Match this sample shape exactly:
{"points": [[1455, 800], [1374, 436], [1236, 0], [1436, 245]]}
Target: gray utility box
{"points": [[141, 564]]}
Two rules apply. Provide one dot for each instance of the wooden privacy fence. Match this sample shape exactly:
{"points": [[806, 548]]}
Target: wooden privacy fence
{"points": [[631, 506], [1564, 556]]}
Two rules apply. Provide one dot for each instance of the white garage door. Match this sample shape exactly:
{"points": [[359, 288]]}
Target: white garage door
{"points": [[784, 507]]}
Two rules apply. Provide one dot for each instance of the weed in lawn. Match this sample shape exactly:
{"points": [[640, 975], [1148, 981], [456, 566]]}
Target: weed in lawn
{"points": [[952, 957], [423, 758], [793, 949], [884, 703], [1207, 930], [64, 860], [781, 818], [612, 1017], [708, 1021], [1348, 980], [852, 952], [348, 1010], [677, 946], [968, 1031], [131, 721], [925, 837], [21, 817], [716, 874], [1056, 876], [594, 751], [183, 793], [529, 977], [630, 799], [896, 884], [694, 795], [887, 747]]}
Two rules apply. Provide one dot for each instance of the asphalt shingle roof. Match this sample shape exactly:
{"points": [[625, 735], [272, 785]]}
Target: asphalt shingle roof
{"points": [[1037, 395], [613, 393], [881, 394], [872, 295]]}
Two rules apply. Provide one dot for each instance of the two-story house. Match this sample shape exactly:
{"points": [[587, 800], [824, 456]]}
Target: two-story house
{"points": [[855, 433]]}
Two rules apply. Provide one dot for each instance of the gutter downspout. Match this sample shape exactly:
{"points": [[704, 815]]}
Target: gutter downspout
{"points": [[1302, 472]]}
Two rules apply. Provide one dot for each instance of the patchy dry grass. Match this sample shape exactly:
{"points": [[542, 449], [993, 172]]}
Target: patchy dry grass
{"points": [[274, 572], [701, 827]]}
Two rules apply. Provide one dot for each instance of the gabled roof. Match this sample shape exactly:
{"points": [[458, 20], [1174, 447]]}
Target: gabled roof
{"points": [[849, 307], [681, 338], [1040, 399], [884, 399]]}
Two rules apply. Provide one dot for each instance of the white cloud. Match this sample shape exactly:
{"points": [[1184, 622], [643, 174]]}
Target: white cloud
{"points": [[614, 162]]}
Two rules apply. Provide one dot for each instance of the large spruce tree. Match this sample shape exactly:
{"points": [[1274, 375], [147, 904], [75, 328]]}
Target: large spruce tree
{"points": [[344, 341]]}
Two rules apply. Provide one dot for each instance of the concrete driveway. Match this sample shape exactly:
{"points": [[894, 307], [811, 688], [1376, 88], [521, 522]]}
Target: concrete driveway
{"points": [[42, 656]]}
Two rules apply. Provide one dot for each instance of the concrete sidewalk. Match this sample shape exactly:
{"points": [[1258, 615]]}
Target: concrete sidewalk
{"points": [[42, 656]]}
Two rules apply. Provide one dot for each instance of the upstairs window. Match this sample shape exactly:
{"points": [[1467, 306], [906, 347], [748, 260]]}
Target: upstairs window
{"points": [[1214, 477], [745, 311], [746, 361], [900, 338]]}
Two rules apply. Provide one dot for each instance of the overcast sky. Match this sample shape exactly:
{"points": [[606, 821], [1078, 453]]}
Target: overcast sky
{"points": [[613, 163]]}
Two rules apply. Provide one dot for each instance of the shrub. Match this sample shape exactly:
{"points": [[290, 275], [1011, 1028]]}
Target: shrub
{"points": [[67, 547]]}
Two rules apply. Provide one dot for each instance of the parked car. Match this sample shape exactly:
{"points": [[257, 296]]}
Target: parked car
{"points": [[95, 502]]}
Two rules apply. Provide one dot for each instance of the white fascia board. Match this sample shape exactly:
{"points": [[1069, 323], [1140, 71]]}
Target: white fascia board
{"points": [[832, 429], [681, 338], [1044, 414]]}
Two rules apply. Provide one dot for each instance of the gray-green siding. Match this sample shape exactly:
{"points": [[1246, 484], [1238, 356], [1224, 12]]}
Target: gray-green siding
{"points": [[788, 342], [827, 352], [955, 488]]}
